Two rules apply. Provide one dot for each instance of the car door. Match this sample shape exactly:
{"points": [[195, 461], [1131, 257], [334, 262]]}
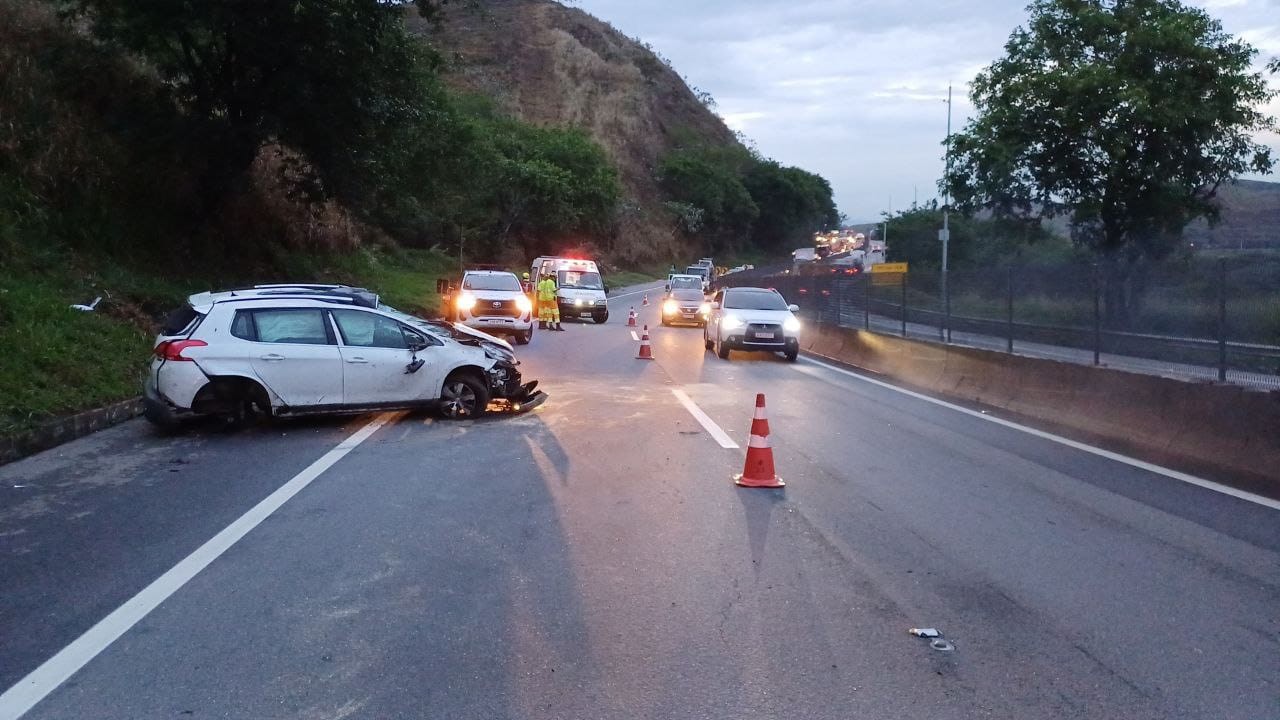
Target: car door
{"points": [[717, 311], [295, 354], [376, 357]]}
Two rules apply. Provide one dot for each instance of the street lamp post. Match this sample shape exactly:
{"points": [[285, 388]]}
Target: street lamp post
{"points": [[945, 234]]}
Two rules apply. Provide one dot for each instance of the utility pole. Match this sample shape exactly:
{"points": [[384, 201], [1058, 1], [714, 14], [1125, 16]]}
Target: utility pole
{"points": [[945, 234]]}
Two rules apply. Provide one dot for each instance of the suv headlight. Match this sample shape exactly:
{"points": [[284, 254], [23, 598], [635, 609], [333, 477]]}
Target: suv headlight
{"points": [[731, 323], [791, 325]]}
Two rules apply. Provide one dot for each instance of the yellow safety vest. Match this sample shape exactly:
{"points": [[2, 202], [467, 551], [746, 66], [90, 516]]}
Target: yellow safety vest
{"points": [[547, 290]]}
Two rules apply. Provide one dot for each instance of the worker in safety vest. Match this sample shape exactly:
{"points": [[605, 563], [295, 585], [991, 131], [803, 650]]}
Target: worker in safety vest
{"points": [[526, 285], [548, 310]]}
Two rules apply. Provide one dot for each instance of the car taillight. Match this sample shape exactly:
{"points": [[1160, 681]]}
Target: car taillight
{"points": [[172, 349]]}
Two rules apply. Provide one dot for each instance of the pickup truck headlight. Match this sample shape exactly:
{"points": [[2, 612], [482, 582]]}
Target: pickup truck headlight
{"points": [[523, 304], [466, 302]]}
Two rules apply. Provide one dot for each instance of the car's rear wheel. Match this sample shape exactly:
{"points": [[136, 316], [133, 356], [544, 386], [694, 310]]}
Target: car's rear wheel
{"points": [[463, 397]]}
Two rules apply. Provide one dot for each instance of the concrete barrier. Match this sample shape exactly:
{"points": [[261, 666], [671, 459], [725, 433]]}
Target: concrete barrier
{"points": [[66, 429], [1224, 430]]}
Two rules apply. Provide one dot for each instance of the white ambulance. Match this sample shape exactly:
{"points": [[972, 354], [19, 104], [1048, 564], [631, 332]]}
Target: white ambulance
{"points": [[579, 286]]}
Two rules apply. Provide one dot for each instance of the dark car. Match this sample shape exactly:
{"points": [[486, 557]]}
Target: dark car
{"points": [[685, 305]]}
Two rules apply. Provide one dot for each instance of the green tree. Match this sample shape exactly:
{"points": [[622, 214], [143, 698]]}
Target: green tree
{"points": [[793, 205], [710, 181], [975, 242], [1125, 115], [324, 77]]}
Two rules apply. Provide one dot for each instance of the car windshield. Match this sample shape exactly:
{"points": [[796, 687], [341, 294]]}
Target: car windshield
{"points": [[690, 283], [754, 300], [579, 280], [501, 281]]}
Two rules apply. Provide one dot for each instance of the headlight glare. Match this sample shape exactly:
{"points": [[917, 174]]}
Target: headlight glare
{"points": [[791, 325], [670, 307], [523, 304], [466, 302], [731, 323], [705, 309]]}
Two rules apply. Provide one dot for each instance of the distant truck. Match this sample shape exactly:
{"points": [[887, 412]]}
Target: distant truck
{"points": [[702, 271]]}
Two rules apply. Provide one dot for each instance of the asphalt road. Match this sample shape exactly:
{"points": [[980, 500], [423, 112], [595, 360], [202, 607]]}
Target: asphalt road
{"points": [[592, 559]]}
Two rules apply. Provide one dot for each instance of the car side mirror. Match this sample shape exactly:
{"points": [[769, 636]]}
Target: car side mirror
{"points": [[793, 308]]}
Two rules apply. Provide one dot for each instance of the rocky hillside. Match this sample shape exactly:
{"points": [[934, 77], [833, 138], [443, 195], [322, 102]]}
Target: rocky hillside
{"points": [[553, 65]]}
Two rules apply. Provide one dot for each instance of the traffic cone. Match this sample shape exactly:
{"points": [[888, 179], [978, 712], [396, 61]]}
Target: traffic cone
{"points": [[646, 300], [758, 471], [646, 352], [631, 318]]}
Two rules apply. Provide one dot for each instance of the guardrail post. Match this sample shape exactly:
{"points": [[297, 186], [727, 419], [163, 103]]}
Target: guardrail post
{"points": [[946, 304], [1097, 315], [1009, 307], [942, 300], [866, 304], [904, 304], [1222, 320]]}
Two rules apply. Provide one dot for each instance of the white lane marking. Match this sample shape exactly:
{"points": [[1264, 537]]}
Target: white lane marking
{"points": [[636, 292], [1117, 457], [33, 688], [710, 425], [634, 336]]}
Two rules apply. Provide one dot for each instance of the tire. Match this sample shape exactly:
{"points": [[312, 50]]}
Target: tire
{"points": [[600, 318], [722, 350], [791, 355], [664, 322], [463, 397], [524, 337], [706, 340]]}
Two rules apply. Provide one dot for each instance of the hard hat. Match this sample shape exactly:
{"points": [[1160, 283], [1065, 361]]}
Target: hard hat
{"points": [[526, 276]]}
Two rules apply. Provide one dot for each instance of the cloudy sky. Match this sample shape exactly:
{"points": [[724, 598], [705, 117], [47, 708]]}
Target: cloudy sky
{"points": [[854, 89]]}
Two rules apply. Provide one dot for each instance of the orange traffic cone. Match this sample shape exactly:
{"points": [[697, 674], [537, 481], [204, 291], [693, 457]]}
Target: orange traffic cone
{"points": [[631, 318], [646, 352], [758, 471], [646, 300]]}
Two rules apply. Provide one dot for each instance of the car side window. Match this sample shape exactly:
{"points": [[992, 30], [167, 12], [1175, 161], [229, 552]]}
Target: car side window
{"points": [[242, 326], [362, 329], [300, 326]]}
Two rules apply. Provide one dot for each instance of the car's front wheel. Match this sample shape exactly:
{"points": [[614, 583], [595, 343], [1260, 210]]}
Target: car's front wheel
{"points": [[524, 337], [722, 350], [791, 355], [600, 317], [463, 397]]}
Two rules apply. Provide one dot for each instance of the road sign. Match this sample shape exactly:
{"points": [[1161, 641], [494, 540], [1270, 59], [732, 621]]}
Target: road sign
{"points": [[889, 268], [944, 235]]}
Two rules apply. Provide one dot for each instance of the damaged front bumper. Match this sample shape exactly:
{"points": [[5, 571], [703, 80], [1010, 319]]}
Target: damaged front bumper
{"points": [[508, 392]]}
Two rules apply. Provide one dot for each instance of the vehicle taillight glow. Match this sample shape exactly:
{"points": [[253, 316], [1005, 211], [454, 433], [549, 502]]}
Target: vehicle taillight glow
{"points": [[172, 349]]}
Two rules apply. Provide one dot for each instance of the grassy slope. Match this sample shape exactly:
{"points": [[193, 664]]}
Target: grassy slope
{"points": [[59, 361]]}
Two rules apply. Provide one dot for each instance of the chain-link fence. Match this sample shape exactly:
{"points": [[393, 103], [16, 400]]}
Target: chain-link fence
{"points": [[1212, 322]]}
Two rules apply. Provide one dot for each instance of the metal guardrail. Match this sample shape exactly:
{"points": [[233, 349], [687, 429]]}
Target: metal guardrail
{"points": [[847, 300]]}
